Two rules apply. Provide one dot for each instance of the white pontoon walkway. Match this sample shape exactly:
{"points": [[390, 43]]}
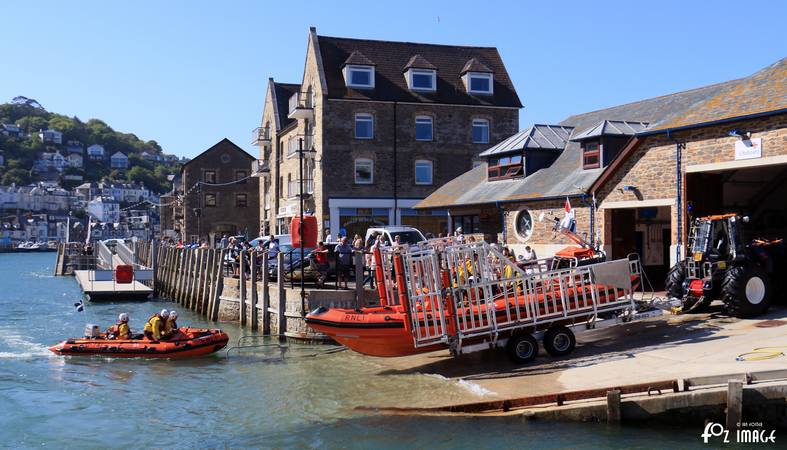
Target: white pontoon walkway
{"points": [[101, 284]]}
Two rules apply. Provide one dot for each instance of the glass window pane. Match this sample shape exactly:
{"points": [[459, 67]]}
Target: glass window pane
{"points": [[360, 77], [423, 129], [480, 132], [423, 172], [479, 84], [364, 127], [363, 171], [516, 159], [505, 160], [422, 80]]}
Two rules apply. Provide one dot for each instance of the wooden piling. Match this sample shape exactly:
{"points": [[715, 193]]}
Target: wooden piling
{"points": [[358, 256], [253, 276], [242, 286], [219, 284], [282, 293], [613, 407], [734, 404], [266, 298]]}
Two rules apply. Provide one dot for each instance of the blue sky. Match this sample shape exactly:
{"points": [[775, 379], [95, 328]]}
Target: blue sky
{"points": [[188, 73]]}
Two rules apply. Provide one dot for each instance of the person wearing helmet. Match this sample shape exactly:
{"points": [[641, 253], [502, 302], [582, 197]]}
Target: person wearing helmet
{"points": [[120, 330], [155, 325], [170, 325]]}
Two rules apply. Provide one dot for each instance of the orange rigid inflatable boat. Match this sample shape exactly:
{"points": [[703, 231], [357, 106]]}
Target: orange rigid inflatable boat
{"points": [[188, 342], [381, 331]]}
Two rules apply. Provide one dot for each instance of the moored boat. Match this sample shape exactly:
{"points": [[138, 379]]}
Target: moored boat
{"points": [[188, 342]]}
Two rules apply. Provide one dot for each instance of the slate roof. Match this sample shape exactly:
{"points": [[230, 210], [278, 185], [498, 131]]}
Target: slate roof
{"points": [[418, 62], [474, 65], [390, 58], [359, 59], [565, 176], [611, 128], [762, 92], [283, 92], [537, 137]]}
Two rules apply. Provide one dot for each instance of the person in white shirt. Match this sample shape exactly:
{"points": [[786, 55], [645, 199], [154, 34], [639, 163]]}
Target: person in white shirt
{"points": [[328, 237], [529, 254]]}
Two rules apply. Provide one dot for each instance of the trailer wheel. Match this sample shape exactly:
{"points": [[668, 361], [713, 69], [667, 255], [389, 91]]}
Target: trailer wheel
{"points": [[522, 348], [559, 341], [746, 291]]}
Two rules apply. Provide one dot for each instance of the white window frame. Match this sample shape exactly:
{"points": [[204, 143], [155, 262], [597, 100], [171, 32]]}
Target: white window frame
{"points": [[525, 237], [480, 122], [432, 74], [363, 117], [371, 171], [431, 122], [469, 81], [431, 172], [348, 69]]}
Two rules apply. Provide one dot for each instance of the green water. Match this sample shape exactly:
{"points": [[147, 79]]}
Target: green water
{"points": [[247, 399]]}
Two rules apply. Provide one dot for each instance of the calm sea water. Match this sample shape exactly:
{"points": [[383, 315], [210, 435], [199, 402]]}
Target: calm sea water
{"points": [[246, 399]]}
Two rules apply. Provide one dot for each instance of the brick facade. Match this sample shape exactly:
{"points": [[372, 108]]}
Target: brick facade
{"points": [[451, 152], [652, 167], [228, 162]]}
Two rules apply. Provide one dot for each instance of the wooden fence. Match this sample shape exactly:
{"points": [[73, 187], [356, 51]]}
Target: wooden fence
{"points": [[191, 277]]}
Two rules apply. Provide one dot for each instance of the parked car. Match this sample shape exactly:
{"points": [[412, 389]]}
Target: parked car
{"points": [[292, 263], [407, 235]]}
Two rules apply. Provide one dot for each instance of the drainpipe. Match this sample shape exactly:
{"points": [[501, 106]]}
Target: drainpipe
{"points": [[395, 172], [503, 221], [679, 197]]}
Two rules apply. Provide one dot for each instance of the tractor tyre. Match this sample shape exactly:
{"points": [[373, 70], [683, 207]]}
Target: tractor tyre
{"points": [[674, 282], [746, 291]]}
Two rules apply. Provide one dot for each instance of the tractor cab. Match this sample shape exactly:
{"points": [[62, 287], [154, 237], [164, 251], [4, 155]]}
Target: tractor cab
{"points": [[721, 265]]}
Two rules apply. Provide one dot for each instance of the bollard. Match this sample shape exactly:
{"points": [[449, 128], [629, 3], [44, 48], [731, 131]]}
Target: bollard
{"points": [[734, 404]]}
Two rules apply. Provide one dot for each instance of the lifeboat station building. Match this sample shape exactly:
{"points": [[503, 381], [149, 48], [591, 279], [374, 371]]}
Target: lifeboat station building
{"points": [[635, 174]]}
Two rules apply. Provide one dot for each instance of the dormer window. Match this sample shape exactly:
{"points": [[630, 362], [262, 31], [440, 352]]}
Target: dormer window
{"points": [[591, 156], [422, 80], [360, 77], [505, 167], [479, 83]]}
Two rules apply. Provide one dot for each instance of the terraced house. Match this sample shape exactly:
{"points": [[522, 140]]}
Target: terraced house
{"points": [[385, 124]]}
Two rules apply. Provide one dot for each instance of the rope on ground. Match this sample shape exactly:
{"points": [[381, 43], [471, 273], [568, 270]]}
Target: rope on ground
{"points": [[761, 353]]}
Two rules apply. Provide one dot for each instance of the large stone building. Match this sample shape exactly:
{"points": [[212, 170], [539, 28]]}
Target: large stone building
{"points": [[620, 168], [214, 195], [388, 122]]}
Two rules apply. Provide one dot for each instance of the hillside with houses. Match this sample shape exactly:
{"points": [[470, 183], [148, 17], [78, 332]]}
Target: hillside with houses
{"points": [[38, 145]]}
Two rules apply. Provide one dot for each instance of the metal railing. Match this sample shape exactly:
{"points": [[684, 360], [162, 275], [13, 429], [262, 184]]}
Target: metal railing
{"points": [[293, 187], [301, 100], [455, 291], [260, 167], [293, 145], [260, 135]]}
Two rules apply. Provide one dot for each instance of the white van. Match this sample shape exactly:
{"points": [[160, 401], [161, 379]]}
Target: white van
{"points": [[407, 235]]}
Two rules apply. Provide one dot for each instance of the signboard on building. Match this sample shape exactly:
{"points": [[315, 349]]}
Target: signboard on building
{"points": [[748, 149]]}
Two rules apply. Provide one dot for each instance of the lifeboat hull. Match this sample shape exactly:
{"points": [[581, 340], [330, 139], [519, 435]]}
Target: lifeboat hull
{"points": [[189, 342], [372, 331]]}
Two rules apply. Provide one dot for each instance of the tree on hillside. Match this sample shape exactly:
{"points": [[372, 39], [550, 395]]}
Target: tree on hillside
{"points": [[31, 124], [19, 176]]}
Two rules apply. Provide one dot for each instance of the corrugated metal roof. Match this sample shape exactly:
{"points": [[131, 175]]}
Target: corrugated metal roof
{"points": [[538, 137], [611, 128]]}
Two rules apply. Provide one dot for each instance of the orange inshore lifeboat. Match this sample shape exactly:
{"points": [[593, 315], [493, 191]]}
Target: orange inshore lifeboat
{"points": [[381, 331], [188, 342]]}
